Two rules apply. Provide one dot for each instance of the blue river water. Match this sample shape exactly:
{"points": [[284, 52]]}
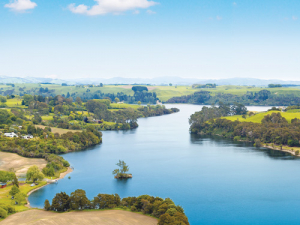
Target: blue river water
{"points": [[216, 181]]}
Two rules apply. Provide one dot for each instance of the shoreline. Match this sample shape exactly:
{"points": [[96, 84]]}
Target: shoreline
{"points": [[62, 175], [292, 152]]}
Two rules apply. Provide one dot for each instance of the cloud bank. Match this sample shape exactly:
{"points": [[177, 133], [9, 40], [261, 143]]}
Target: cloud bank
{"points": [[20, 5], [103, 7]]}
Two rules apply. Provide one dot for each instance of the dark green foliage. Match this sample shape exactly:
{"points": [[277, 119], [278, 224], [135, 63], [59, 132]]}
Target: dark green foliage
{"points": [[47, 205], [139, 88], [14, 190], [263, 97], [164, 209], [274, 85], [204, 86], [78, 200], [61, 202], [273, 129]]}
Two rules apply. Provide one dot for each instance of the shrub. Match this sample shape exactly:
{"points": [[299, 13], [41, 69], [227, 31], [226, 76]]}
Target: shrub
{"points": [[3, 213], [297, 152], [257, 143]]}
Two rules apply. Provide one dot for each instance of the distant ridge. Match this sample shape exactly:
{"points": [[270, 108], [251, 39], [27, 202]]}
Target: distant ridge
{"points": [[150, 81]]}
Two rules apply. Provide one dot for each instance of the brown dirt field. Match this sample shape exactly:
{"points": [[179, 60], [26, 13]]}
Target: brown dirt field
{"points": [[107, 217], [58, 130], [18, 163]]}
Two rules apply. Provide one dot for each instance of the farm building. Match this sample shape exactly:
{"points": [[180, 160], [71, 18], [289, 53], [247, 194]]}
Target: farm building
{"points": [[12, 134]]}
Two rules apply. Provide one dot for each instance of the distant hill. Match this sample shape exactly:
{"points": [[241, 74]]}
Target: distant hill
{"points": [[150, 81]]}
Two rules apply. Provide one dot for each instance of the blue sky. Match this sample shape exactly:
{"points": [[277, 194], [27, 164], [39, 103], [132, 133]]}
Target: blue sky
{"points": [[140, 38]]}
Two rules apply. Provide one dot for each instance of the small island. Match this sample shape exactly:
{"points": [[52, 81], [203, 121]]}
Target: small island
{"points": [[121, 173]]}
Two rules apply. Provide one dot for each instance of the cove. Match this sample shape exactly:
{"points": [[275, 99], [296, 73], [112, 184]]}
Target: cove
{"points": [[217, 181]]}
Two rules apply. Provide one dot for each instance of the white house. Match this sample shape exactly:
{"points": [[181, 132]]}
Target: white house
{"points": [[27, 136], [11, 135]]}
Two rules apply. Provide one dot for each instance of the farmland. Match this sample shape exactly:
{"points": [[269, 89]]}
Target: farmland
{"points": [[289, 115]]}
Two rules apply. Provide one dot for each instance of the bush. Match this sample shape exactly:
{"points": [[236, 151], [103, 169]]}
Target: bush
{"points": [[257, 143], [237, 138], [3, 213], [10, 209], [297, 152]]}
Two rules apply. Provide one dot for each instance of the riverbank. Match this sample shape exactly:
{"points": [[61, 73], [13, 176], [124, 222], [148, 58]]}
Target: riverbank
{"points": [[62, 175]]}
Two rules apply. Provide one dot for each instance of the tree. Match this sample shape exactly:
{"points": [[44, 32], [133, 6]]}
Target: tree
{"points": [[34, 174], [6, 176], [122, 171], [14, 190], [170, 84], [47, 206], [78, 200], [101, 85], [15, 181], [117, 100], [78, 100], [20, 197], [61, 202], [2, 99], [139, 103]]}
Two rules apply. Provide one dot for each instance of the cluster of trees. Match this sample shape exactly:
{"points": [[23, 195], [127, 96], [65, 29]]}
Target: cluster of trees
{"points": [[47, 145], [274, 85], [263, 97], [123, 118], [204, 86], [208, 113], [273, 129], [164, 209]]}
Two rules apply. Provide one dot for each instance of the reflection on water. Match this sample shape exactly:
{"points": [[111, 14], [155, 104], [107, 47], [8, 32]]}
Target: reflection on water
{"points": [[217, 181]]}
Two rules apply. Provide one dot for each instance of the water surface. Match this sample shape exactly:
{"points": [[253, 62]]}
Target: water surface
{"points": [[216, 181]]}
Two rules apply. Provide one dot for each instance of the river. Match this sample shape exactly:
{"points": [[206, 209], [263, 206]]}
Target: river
{"points": [[216, 181]]}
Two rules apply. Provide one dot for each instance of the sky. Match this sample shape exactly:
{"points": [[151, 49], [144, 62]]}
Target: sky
{"points": [[144, 39]]}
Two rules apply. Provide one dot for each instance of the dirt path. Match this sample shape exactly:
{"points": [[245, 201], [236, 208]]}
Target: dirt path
{"points": [[107, 217], [18, 163]]}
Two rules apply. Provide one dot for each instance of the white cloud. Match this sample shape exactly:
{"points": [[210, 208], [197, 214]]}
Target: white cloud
{"points": [[136, 12], [103, 7], [234, 3], [150, 12], [219, 18], [21, 5], [294, 17]]}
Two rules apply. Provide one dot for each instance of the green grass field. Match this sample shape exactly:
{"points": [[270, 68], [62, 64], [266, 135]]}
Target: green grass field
{"points": [[259, 116], [14, 102], [163, 92], [116, 106], [5, 198]]}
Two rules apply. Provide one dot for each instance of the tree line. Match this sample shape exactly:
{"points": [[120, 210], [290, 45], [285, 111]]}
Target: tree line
{"points": [[263, 97], [273, 129], [163, 209]]}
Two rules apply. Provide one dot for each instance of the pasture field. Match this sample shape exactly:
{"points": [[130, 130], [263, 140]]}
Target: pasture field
{"points": [[101, 217], [259, 116], [58, 130], [123, 106], [5, 198], [163, 92], [15, 102]]}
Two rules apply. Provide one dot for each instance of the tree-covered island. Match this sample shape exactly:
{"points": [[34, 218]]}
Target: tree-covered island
{"points": [[121, 172]]}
